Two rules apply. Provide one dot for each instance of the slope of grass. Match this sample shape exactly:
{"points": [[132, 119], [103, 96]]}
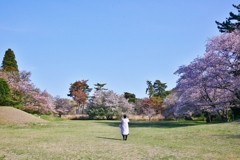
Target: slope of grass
{"points": [[13, 116], [92, 139]]}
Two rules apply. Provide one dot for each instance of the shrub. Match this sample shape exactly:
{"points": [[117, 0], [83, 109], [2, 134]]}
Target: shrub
{"points": [[101, 112]]}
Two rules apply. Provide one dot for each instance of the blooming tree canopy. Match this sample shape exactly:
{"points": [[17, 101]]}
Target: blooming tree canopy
{"points": [[62, 105], [25, 94], [212, 82], [110, 103]]}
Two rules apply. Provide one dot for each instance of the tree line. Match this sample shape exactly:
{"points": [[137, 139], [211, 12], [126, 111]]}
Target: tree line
{"points": [[17, 90], [107, 103]]}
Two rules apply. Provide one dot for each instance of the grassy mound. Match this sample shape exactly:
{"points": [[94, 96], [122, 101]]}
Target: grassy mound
{"points": [[10, 115]]}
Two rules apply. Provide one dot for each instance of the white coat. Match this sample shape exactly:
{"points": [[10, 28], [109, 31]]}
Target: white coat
{"points": [[124, 126]]}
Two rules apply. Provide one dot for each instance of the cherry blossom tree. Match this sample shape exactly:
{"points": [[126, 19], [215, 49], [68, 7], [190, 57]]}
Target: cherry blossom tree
{"points": [[26, 95], [109, 104], [21, 85], [62, 105], [45, 102], [175, 107], [211, 83], [169, 105]]}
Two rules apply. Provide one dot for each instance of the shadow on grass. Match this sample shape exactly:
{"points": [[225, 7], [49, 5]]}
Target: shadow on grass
{"points": [[109, 138], [155, 124], [234, 136], [229, 136]]}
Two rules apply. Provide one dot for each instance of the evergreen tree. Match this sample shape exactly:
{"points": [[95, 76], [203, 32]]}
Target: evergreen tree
{"points": [[156, 89], [130, 96], [4, 92], [100, 86], [231, 23], [150, 89], [9, 62], [159, 89]]}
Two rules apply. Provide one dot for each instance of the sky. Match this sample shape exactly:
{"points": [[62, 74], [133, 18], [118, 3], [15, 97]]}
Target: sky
{"points": [[122, 43]]}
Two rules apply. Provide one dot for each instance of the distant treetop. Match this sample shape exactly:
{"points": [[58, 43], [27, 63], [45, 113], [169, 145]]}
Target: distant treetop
{"points": [[231, 23], [9, 62]]}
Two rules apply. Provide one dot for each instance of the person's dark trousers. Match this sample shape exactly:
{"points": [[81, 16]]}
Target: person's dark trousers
{"points": [[125, 137]]}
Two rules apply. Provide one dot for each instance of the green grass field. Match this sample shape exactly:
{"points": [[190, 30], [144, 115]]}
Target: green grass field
{"points": [[92, 139]]}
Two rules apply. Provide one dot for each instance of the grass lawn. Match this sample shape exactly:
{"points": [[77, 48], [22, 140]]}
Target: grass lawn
{"points": [[92, 139]]}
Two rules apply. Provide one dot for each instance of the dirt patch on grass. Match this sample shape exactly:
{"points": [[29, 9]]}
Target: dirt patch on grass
{"points": [[10, 115]]}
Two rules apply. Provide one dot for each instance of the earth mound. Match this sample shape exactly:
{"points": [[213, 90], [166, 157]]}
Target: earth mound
{"points": [[10, 115]]}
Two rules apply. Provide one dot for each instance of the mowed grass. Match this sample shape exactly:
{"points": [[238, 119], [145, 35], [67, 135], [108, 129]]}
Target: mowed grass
{"points": [[92, 139]]}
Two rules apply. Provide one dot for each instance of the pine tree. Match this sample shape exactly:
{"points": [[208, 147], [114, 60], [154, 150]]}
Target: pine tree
{"points": [[9, 62], [231, 23], [100, 86], [130, 96]]}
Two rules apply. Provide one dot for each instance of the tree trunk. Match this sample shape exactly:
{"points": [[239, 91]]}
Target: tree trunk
{"points": [[149, 118], [208, 118], [82, 109], [227, 116]]}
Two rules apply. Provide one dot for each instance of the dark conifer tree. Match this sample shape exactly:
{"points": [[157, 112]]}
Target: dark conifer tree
{"points": [[130, 96], [9, 62], [100, 86], [231, 23]]}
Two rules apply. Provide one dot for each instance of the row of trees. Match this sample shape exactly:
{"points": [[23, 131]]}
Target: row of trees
{"points": [[106, 103], [16, 89], [210, 84]]}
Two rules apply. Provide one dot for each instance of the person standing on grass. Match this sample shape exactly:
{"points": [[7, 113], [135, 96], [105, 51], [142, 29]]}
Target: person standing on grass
{"points": [[124, 127]]}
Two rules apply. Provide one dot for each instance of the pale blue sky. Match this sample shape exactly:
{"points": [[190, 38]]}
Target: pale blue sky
{"points": [[119, 42]]}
